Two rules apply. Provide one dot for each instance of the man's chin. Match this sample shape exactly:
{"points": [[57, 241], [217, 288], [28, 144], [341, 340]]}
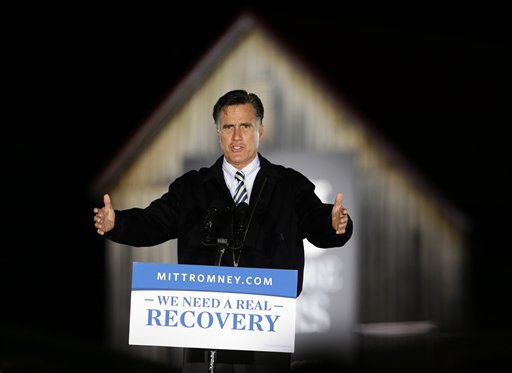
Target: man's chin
{"points": [[237, 158]]}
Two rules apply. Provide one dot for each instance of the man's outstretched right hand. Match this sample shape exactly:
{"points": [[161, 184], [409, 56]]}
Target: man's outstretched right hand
{"points": [[105, 217]]}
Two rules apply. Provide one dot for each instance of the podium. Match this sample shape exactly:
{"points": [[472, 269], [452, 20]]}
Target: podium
{"points": [[213, 307]]}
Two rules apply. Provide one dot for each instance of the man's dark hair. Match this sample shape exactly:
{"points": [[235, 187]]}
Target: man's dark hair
{"points": [[238, 97]]}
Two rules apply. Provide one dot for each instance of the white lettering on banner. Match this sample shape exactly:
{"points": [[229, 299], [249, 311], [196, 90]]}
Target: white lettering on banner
{"points": [[314, 318], [214, 279], [323, 278]]}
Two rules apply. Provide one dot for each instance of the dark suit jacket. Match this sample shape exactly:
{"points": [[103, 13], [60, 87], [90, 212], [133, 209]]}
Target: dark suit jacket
{"points": [[283, 206]]}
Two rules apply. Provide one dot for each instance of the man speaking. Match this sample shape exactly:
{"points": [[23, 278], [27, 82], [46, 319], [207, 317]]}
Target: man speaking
{"points": [[241, 211]]}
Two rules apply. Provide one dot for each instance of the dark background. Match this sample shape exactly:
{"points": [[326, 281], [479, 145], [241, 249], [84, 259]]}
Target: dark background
{"points": [[434, 80]]}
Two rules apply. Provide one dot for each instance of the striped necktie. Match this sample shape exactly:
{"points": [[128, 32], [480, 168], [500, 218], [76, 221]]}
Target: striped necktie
{"points": [[241, 192]]}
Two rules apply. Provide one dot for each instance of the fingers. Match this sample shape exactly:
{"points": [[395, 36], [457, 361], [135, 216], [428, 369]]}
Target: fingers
{"points": [[100, 214], [340, 215], [342, 224], [98, 220]]}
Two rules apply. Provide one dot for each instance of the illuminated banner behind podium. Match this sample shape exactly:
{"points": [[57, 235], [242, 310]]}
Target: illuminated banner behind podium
{"points": [[213, 307]]}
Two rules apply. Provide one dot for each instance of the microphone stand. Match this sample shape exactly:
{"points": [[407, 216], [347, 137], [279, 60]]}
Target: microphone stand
{"points": [[222, 245], [234, 245]]}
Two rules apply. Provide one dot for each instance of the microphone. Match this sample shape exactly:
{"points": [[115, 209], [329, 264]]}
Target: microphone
{"points": [[210, 218], [241, 220], [214, 222], [214, 212]]}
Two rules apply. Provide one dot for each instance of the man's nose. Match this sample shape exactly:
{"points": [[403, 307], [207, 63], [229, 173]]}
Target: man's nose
{"points": [[237, 132]]}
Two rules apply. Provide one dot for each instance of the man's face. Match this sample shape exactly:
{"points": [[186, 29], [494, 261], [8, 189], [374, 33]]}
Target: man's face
{"points": [[239, 134]]}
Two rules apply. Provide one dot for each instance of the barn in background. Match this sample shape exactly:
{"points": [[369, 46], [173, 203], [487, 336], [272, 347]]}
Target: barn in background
{"points": [[403, 273]]}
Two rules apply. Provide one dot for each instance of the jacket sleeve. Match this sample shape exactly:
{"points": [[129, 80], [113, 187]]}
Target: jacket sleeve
{"points": [[322, 234], [315, 218], [149, 226]]}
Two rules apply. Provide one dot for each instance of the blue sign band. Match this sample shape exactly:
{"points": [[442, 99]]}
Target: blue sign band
{"points": [[260, 281]]}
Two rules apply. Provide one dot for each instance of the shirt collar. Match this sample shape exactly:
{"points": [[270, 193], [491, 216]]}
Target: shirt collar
{"points": [[247, 170]]}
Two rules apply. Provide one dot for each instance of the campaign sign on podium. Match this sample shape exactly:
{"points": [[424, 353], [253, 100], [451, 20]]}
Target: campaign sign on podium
{"points": [[213, 307]]}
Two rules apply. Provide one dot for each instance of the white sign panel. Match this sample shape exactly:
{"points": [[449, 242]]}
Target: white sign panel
{"points": [[213, 307]]}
